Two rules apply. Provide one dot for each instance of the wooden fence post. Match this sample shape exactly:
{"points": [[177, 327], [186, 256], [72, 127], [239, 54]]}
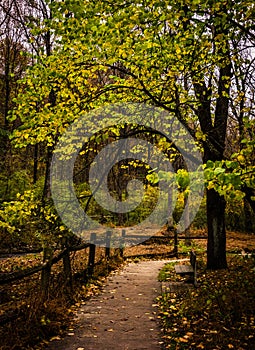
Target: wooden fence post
{"points": [[122, 243], [108, 244], [67, 265], [46, 272], [176, 243], [92, 254]]}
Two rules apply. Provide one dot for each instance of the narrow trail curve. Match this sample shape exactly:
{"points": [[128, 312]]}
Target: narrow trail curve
{"points": [[122, 316]]}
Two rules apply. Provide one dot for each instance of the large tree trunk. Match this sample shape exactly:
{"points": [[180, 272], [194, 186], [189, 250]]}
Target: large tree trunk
{"points": [[216, 244], [213, 123]]}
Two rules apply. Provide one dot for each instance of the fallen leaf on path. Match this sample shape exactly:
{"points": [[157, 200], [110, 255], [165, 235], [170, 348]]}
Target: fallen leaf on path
{"points": [[55, 338]]}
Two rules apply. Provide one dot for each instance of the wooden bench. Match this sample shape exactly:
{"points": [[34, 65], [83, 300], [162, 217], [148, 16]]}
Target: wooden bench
{"points": [[189, 269]]}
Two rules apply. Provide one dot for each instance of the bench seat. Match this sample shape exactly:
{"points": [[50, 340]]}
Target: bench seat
{"points": [[190, 269], [184, 269]]}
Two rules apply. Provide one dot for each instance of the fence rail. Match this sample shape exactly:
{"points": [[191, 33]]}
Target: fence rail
{"points": [[108, 240], [125, 239]]}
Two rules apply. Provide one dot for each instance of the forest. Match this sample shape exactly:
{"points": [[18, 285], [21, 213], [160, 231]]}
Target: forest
{"points": [[120, 120]]}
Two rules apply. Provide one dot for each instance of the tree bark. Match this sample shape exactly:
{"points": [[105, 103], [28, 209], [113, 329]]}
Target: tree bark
{"points": [[187, 222], [248, 216], [35, 170], [47, 189], [216, 244], [214, 150], [67, 266]]}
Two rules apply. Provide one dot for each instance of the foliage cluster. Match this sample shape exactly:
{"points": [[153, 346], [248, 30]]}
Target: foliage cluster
{"points": [[194, 59]]}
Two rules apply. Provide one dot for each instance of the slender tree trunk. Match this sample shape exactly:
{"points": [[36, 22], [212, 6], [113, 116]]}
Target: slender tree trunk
{"points": [[46, 189], [249, 216], [67, 267], [216, 244], [35, 163], [186, 222], [7, 72]]}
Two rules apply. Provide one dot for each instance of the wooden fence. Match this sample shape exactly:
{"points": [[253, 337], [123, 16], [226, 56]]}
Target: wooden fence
{"points": [[107, 239], [49, 261], [51, 258]]}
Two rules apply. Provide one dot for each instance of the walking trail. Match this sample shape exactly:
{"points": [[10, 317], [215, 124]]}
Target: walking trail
{"points": [[122, 316]]}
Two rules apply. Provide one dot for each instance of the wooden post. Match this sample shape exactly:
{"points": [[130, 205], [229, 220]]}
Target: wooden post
{"points": [[108, 244], [46, 272], [122, 243], [176, 243], [67, 265], [92, 254]]}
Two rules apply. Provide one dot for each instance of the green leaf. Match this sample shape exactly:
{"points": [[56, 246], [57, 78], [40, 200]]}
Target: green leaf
{"points": [[219, 170], [210, 164]]}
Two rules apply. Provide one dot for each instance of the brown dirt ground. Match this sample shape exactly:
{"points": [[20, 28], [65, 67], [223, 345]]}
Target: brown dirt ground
{"points": [[236, 242], [122, 315]]}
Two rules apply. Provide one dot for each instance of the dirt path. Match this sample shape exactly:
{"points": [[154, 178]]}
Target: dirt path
{"points": [[122, 316]]}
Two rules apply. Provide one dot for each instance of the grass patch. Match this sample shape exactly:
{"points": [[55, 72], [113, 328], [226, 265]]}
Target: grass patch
{"points": [[185, 249], [165, 273], [219, 314]]}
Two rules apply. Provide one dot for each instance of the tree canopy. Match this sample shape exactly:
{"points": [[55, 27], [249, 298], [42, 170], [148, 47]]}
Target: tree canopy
{"points": [[194, 59]]}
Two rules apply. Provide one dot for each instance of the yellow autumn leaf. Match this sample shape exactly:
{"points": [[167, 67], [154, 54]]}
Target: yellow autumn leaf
{"points": [[183, 340]]}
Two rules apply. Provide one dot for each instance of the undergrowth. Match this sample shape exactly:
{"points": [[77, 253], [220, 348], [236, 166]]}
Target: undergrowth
{"points": [[38, 319], [218, 314]]}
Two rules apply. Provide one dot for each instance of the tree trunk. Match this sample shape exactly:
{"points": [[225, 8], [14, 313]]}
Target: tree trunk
{"points": [[216, 244], [187, 222], [46, 272], [68, 272], [249, 216], [35, 163], [46, 189]]}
